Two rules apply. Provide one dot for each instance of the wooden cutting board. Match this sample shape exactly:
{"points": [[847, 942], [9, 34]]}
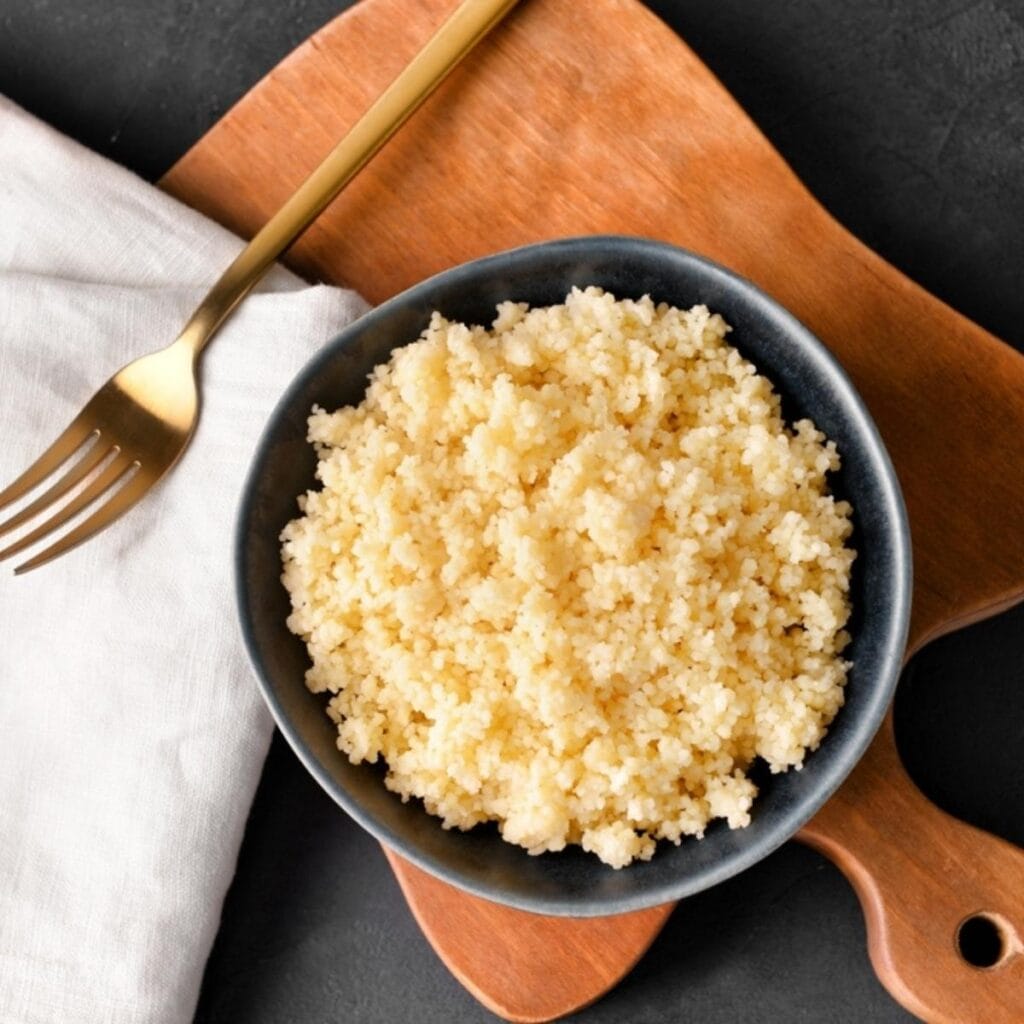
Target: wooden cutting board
{"points": [[561, 125]]}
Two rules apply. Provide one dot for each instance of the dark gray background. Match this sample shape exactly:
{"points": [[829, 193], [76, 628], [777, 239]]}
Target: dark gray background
{"points": [[906, 118]]}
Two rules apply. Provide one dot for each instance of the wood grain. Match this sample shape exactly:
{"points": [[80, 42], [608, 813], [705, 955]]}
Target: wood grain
{"points": [[540, 968], [562, 125], [919, 874]]}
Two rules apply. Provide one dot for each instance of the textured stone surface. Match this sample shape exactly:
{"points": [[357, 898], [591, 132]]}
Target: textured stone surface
{"points": [[907, 120]]}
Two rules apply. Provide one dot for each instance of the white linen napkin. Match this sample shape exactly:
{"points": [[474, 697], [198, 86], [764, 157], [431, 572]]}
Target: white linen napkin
{"points": [[131, 732]]}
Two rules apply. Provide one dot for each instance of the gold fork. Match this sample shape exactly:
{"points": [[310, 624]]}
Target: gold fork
{"points": [[133, 430]]}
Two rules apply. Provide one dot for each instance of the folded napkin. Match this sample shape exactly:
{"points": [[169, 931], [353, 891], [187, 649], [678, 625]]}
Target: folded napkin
{"points": [[131, 733]]}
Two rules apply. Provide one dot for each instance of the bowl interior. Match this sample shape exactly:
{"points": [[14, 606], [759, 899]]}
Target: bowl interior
{"points": [[811, 383]]}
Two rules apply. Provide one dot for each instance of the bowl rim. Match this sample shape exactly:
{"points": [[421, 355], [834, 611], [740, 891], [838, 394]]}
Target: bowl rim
{"points": [[871, 714]]}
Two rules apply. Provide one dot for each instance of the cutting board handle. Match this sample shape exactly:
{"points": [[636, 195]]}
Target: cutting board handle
{"points": [[936, 893]]}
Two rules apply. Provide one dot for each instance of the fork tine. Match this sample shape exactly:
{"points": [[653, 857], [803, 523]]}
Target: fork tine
{"points": [[76, 434], [78, 472], [120, 503], [110, 475]]}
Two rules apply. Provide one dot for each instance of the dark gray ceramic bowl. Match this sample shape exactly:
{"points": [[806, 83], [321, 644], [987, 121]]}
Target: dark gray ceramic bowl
{"points": [[811, 383]]}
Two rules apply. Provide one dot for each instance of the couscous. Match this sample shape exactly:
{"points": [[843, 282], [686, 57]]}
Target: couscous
{"points": [[573, 574]]}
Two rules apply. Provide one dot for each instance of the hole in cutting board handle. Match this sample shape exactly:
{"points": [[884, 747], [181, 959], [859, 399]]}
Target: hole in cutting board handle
{"points": [[982, 941]]}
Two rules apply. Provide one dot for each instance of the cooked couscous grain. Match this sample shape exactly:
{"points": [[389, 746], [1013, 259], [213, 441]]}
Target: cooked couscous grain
{"points": [[573, 575]]}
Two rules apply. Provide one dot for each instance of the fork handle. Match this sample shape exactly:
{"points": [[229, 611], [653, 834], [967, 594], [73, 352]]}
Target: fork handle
{"points": [[463, 29]]}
